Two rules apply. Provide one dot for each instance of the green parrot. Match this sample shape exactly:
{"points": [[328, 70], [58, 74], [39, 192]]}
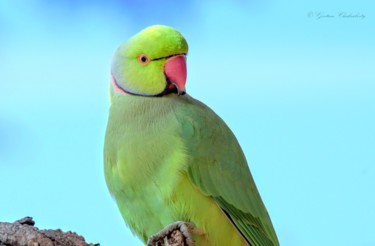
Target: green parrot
{"points": [[168, 158]]}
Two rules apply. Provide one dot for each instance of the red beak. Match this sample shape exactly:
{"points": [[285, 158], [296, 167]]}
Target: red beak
{"points": [[175, 71]]}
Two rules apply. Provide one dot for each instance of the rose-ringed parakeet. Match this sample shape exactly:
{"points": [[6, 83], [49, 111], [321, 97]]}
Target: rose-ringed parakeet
{"points": [[169, 157]]}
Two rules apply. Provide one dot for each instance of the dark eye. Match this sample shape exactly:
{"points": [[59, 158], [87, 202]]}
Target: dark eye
{"points": [[143, 59]]}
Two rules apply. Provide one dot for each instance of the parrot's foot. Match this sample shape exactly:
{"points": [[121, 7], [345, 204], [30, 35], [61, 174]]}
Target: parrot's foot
{"points": [[178, 233]]}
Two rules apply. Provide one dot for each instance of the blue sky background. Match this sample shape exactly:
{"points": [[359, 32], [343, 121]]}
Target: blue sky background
{"points": [[298, 91]]}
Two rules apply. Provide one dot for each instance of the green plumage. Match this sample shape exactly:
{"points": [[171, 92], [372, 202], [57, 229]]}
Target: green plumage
{"points": [[171, 159]]}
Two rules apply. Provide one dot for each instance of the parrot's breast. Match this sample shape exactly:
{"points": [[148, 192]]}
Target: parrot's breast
{"points": [[146, 171]]}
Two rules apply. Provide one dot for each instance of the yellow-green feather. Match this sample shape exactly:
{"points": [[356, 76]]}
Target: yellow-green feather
{"points": [[172, 159], [155, 41]]}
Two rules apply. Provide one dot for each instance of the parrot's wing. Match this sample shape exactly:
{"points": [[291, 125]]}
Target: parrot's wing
{"points": [[218, 168]]}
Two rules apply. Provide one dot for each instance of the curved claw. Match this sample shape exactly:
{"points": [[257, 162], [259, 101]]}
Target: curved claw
{"points": [[185, 228]]}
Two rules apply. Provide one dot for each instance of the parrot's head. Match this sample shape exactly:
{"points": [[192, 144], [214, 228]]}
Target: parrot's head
{"points": [[152, 63]]}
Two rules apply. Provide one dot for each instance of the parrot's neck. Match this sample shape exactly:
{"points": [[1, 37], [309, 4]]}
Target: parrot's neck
{"points": [[120, 90]]}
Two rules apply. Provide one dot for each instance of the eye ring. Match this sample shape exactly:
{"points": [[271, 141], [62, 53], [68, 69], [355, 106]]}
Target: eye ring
{"points": [[143, 59]]}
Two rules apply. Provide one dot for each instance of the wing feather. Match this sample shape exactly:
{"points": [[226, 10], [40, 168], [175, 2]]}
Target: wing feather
{"points": [[219, 169]]}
